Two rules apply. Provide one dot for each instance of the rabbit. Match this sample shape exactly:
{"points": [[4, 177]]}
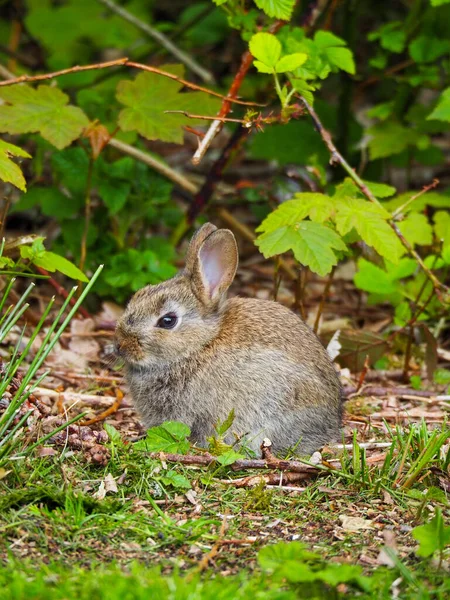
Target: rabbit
{"points": [[192, 355]]}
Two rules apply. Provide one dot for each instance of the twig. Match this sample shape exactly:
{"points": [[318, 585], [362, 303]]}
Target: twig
{"points": [[206, 118], [89, 399], [161, 39], [216, 125], [337, 158], [109, 411], [323, 299], [203, 564], [363, 373], [62, 291], [206, 459], [120, 62], [205, 193], [6, 73], [272, 479], [424, 190]]}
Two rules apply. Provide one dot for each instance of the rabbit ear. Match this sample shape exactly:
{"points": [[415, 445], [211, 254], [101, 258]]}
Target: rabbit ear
{"points": [[194, 246], [215, 266]]}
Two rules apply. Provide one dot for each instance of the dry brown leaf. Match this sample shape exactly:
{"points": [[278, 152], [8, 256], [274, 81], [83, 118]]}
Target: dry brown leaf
{"points": [[354, 523]]}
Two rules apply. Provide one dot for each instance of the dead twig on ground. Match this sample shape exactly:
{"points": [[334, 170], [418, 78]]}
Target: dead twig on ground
{"points": [[163, 40], [109, 411]]}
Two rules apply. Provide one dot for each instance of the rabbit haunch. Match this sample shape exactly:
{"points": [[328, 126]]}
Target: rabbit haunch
{"points": [[215, 355]]}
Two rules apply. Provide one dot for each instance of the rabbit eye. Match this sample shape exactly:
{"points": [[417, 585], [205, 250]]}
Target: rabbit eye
{"points": [[167, 321]]}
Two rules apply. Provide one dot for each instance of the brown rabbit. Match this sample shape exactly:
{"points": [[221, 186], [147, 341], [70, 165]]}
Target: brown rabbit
{"points": [[191, 355]]}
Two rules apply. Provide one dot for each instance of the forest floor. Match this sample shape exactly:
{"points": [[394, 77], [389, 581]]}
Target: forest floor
{"points": [[88, 498]]}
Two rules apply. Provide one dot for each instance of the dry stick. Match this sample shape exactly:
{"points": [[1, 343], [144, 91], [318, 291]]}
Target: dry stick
{"points": [[120, 62], [205, 193], [106, 413], [337, 158], [206, 459], [216, 125], [191, 187], [63, 292], [161, 39], [323, 299]]}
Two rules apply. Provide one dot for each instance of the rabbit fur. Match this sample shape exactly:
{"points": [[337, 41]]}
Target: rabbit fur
{"points": [[254, 356]]}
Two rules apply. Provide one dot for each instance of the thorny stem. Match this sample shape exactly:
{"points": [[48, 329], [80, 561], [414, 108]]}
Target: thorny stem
{"points": [[424, 190], [337, 158], [217, 124], [120, 62]]}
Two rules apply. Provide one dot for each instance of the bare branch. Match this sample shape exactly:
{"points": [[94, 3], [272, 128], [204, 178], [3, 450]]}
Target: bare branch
{"points": [[120, 62], [161, 39]]}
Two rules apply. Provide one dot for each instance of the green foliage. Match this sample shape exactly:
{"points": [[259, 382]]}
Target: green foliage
{"points": [[441, 111], [294, 563], [267, 50], [313, 244], [281, 9], [433, 536], [149, 96], [9, 171], [169, 437], [42, 110], [39, 256]]}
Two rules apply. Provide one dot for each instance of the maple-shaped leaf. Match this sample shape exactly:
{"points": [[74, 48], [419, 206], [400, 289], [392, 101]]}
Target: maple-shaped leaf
{"points": [[318, 207], [43, 110], [313, 245], [150, 95], [416, 229], [369, 220], [9, 171]]}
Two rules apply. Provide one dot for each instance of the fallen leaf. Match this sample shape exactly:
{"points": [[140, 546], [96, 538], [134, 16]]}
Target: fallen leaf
{"points": [[110, 484], [3, 473], [354, 523]]}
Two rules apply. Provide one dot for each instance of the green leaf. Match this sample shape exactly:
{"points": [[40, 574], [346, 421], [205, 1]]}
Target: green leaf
{"points": [[428, 48], [281, 9], [149, 95], [228, 457], [170, 437], [318, 207], [43, 110], [402, 314], [388, 138], [50, 200], [113, 434], [9, 171], [176, 480], [333, 48], [290, 62], [53, 262], [380, 190], [392, 37], [223, 427], [433, 536], [266, 48], [439, 2], [369, 220], [373, 279], [417, 229], [442, 226], [441, 111], [311, 243], [114, 194]]}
